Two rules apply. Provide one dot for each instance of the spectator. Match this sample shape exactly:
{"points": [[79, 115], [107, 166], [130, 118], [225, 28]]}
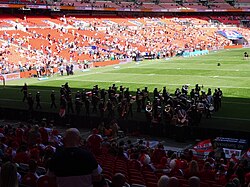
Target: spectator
{"points": [[94, 141], [193, 170], [173, 182], [119, 180], [194, 181], [8, 175], [163, 181], [73, 166], [207, 173]]}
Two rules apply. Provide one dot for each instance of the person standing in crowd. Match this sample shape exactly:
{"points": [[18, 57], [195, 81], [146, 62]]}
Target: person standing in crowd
{"points": [[67, 69], [71, 71], [72, 165], [8, 175], [25, 91], [38, 100], [61, 69], [53, 99]]}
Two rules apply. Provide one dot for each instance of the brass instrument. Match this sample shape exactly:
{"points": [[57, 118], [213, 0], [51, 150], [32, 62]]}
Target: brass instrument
{"points": [[167, 108], [149, 107]]}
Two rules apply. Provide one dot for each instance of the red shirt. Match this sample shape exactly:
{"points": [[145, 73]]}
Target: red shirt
{"points": [[94, 141]]}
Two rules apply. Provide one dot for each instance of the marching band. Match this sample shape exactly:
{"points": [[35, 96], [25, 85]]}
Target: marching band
{"points": [[178, 109]]}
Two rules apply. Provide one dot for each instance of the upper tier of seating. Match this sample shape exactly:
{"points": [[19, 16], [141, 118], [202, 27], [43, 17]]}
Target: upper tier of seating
{"points": [[142, 4]]}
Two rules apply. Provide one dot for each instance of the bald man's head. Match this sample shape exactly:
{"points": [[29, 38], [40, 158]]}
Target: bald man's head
{"points": [[72, 137]]}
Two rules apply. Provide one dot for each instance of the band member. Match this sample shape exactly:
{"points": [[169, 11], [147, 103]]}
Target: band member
{"points": [[63, 104], [110, 109], [177, 92], [53, 99], [139, 99], [102, 108], [83, 95], [156, 93], [122, 89], [165, 95], [181, 116], [25, 91], [30, 101], [184, 89], [219, 97], [38, 100], [110, 92], [127, 94], [197, 88], [129, 106], [149, 111], [70, 104], [87, 104], [168, 113], [120, 97], [192, 94], [78, 106], [95, 90], [114, 88], [62, 90], [122, 109], [103, 94], [78, 94], [216, 100], [94, 102], [145, 97], [157, 115]]}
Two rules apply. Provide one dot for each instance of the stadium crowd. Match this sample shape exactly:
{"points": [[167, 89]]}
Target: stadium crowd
{"points": [[32, 155], [70, 40]]}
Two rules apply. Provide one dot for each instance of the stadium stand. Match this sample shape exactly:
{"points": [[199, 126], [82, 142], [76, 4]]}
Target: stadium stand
{"points": [[190, 33], [135, 161]]}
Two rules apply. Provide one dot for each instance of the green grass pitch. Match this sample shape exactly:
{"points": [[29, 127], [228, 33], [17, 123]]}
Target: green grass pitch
{"points": [[232, 76]]}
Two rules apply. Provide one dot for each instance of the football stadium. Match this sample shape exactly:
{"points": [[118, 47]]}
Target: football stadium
{"points": [[124, 93]]}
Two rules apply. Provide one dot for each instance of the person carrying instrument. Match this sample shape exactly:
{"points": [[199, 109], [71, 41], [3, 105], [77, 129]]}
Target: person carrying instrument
{"points": [[139, 99], [181, 116]]}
